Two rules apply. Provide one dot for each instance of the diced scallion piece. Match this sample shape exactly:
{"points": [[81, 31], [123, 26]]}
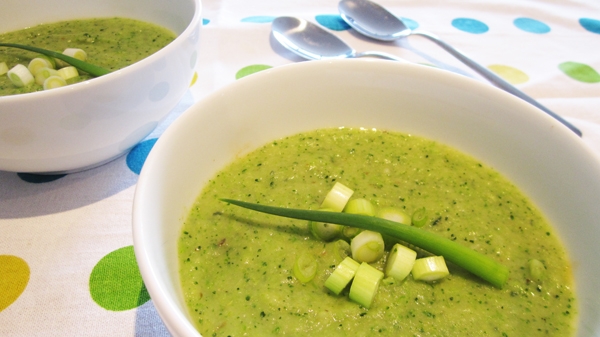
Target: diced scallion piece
{"points": [[3, 68], [357, 206], [38, 63], [342, 275], [360, 206], [400, 262], [305, 267], [430, 268], [365, 284], [20, 76], [367, 246], [536, 269], [349, 232], [419, 217], [54, 82], [337, 197], [77, 53], [68, 72], [43, 74], [341, 249], [394, 214], [325, 231]]}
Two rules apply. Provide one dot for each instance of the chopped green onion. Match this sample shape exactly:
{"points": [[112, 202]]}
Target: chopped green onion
{"points": [[342, 249], [394, 214], [81, 65], [537, 270], [38, 63], [325, 231], [337, 197], [3, 68], [400, 262], [480, 265], [77, 53], [20, 76], [68, 72], [419, 217], [305, 267], [54, 82], [349, 233], [342, 275], [360, 206], [367, 246], [357, 206], [430, 268], [43, 74], [365, 284]]}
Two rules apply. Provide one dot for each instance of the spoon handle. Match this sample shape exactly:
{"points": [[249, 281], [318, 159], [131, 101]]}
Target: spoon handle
{"points": [[494, 79], [379, 55]]}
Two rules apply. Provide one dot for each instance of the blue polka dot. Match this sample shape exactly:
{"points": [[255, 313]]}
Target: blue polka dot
{"points": [[411, 24], [332, 21], [137, 156], [531, 25], [39, 178], [591, 25], [205, 22], [259, 19], [470, 25]]}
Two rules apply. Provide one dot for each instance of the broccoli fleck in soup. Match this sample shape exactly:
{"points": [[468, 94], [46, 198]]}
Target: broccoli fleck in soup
{"points": [[237, 265]]}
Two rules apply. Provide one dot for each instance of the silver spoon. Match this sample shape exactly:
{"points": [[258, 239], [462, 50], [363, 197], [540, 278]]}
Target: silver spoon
{"points": [[372, 20], [312, 42]]}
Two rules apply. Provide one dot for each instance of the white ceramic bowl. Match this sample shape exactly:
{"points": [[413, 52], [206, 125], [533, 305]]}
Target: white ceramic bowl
{"points": [[547, 161], [89, 123]]}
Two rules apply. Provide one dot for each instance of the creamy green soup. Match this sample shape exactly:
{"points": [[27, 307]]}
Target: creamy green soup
{"points": [[112, 43], [236, 264]]}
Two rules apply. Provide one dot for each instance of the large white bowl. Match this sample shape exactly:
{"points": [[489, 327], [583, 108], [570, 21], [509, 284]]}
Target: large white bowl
{"points": [[86, 124], [546, 160]]}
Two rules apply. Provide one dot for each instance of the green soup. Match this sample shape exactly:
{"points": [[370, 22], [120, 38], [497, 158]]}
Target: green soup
{"points": [[112, 43], [236, 265]]}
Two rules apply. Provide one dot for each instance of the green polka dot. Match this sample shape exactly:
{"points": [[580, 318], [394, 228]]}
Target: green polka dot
{"points": [[509, 74], [116, 283], [14, 276], [251, 70], [580, 72]]}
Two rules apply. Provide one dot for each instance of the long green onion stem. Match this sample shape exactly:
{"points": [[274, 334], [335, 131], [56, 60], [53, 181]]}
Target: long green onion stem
{"points": [[478, 264], [81, 65]]}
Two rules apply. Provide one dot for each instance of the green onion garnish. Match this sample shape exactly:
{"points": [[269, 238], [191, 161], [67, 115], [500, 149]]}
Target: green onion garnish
{"points": [[478, 264], [81, 65]]}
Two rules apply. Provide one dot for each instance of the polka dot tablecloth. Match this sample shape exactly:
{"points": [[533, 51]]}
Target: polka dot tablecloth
{"points": [[67, 266]]}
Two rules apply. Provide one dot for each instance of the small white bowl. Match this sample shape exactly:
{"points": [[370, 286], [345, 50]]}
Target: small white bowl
{"points": [[86, 124], [549, 163]]}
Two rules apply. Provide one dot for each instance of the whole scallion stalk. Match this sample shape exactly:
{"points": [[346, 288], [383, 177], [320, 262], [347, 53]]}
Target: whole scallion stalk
{"points": [[81, 65], [476, 263]]}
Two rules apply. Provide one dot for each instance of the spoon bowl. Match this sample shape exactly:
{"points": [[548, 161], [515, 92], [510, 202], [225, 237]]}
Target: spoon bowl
{"points": [[374, 21], [312, 42]]}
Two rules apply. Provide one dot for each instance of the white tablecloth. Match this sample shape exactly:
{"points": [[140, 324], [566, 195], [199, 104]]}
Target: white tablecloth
{"points": [[66, 260]]}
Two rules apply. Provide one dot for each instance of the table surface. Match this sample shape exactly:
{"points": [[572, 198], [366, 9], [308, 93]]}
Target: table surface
{"points": [[67, 266]]}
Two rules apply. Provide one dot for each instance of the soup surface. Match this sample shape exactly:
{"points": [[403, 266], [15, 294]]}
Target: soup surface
{"points": [[236, 264], [112, 43]]}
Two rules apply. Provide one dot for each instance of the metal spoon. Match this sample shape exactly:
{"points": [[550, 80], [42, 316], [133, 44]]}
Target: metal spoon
{"points": [[372, 20], [312, 42]]}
